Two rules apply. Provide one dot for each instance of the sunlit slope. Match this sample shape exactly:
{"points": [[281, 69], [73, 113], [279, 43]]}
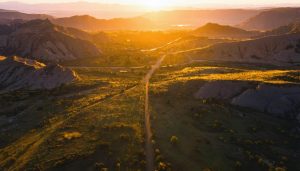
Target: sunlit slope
{"points": [[236, 73], [276, 50]]}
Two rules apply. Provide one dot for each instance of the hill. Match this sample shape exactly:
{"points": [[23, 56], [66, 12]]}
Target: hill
{"points": [[291, 28], [223, 31], [275, 50], [272, 19], [19, 73], [89, 23], [42, 40], [13, 15]]}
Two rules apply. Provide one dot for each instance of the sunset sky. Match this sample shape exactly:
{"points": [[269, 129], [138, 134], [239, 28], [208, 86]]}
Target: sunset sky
{"points": [[185, 3], [131, 8]]}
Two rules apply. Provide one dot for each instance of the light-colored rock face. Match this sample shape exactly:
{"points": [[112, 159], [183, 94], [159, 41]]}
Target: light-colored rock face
{"points": [[19, 73], [282, 101], [276, 50], [41, 40], [221, 89]]}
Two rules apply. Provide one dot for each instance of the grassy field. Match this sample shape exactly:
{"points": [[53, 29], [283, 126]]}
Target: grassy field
{"points": [[93, 124], [191, 134]]}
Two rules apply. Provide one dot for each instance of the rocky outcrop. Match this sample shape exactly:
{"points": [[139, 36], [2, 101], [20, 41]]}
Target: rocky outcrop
{"points": [[221, 90], [42, 40], [280, 101], [275, 50], [19, 73]]}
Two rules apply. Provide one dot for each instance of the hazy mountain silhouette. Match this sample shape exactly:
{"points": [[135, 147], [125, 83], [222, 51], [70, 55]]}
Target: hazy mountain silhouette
{"points": [[196, 18], [99, 10], [90, 23], [271, 19], [223, 31], [9, 16]]}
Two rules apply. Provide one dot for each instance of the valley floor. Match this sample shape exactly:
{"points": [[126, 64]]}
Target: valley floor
{"points": [[193, 134], [98, 122]]}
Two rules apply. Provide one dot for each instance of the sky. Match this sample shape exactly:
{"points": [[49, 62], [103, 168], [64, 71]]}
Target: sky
{"points": [[136, 7], [185, 3]]}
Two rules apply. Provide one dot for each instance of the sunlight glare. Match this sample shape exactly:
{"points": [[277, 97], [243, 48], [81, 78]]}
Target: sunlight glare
{"points": [[154, 4]]}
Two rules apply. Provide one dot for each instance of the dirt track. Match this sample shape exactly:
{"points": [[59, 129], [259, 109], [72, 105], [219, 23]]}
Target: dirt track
{"points": [[149, 146]]}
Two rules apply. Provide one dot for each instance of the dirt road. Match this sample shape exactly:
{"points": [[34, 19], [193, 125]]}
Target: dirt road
{"points": [[149, 146]]}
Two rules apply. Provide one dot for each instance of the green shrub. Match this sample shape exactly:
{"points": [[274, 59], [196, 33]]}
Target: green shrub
{"points": [[174, 140], [280, 169], [238, 164], [162, 166]]}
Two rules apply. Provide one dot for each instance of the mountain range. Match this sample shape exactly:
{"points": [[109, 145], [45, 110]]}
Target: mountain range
{"points": [[68, 9], [90, 23], [247, 19], [58, 39], [271, 19]]}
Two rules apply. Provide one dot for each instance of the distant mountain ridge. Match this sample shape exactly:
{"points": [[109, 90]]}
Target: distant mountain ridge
{"points": [[271, 19], [12, 15], [195, 18], [214, 30], [67, 9], [90, 23], [176, 19]]}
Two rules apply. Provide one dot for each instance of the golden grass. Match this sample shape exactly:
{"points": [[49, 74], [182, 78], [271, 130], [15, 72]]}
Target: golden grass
{"points": [[208, 73], [234, 74], [270, 76], [71, 135]]}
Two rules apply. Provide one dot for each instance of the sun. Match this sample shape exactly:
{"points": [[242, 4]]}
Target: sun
{"points": [[154, 4]]}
